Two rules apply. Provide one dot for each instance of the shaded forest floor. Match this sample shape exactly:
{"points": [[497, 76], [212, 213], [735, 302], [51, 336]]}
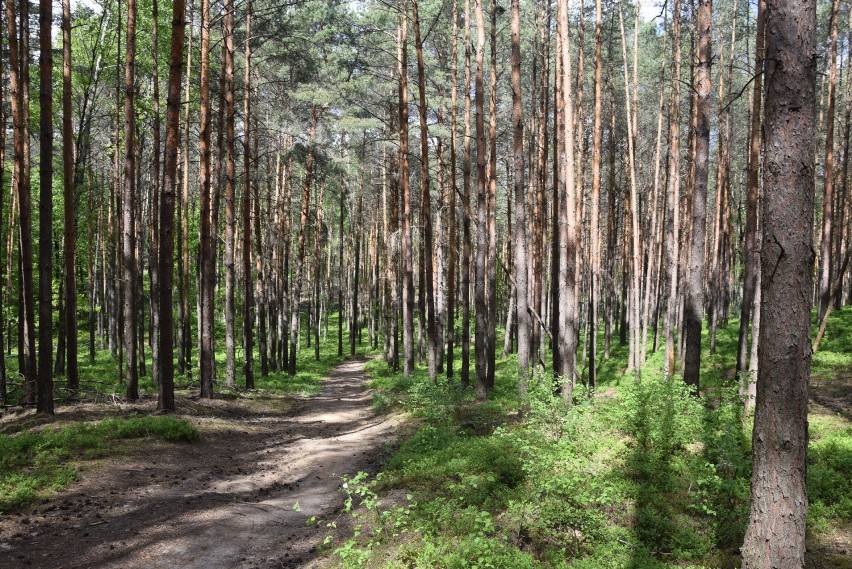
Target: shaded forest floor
{"points": [[238, 497]]}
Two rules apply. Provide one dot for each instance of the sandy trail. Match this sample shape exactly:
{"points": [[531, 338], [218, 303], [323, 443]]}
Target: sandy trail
{"points": [[224, 502]]}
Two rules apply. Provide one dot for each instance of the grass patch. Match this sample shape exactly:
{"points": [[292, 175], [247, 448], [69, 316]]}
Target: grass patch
{"points": [[33, 463]]}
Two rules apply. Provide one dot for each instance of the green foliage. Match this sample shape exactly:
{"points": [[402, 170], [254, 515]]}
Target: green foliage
{"points": [[34, 462], [637, 475]]}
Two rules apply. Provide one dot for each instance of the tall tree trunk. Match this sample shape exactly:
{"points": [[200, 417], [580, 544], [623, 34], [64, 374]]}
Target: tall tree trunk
{"points": [[751, 238], [825, 252], [154, 241], [480, 299], [775, 536], [230, 195], [248, 285], [70, 234], [452, 260], [466, 220], [166, 400], [426, 202], [184, 344], [20, 120], [696, 271], [567, 221], [45, 203], [3, 321], [491, 209], [673, 199], [407, 262], [520, 235], [206, 253], [594, 213], [300, 259]]}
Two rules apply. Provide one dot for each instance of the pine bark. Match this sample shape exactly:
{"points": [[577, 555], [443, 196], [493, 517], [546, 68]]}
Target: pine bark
{"points": [[696, 271], [407, 254], [45, 202], [166, 399], [206, 252], [248, 285], [775, 536], [826, 260], [230, 195], [520, 236], [69, 234], [751, 238]]}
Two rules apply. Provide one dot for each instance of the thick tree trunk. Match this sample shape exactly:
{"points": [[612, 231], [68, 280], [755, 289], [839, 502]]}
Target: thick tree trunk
{"points": [[166, 400], [775, 536]]}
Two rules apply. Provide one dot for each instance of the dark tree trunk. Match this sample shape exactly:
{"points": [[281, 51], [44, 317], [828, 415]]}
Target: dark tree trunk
{"points": [[70, 234], [166, 400], [248, 286], [45, 204], [206, 253], [230, 195], [480, 291], [775, 536]]}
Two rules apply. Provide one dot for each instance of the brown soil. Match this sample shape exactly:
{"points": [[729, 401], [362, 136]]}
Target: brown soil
{"points": [[227, 501]]}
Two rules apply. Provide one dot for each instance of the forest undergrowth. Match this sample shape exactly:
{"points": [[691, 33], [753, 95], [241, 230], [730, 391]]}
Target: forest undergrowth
{"points": [[634, 475]]}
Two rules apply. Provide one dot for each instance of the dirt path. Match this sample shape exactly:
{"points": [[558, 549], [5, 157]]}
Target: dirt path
{"points": [[224, 502]]}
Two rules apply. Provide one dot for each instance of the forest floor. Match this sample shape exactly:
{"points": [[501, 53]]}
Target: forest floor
{"points": [[241, 497]]}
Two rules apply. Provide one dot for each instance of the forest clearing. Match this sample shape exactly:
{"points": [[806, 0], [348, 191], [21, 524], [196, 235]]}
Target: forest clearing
{"points": [[425, 283]]}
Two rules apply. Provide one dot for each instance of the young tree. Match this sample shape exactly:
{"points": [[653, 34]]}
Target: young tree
{"points": [[775, 536]]}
